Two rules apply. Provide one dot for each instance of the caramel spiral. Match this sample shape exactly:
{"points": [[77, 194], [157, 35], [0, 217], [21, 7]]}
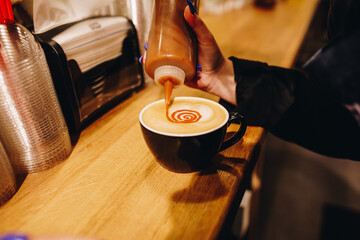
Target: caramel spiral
{"points": [[184, 116]]}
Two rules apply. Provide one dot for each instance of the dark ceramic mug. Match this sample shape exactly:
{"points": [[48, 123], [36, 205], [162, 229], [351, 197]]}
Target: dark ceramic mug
{"points": [[188, 147]]}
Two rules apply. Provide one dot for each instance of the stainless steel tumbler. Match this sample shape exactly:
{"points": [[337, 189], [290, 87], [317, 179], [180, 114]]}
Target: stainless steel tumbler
{"points": [[32, 126]]}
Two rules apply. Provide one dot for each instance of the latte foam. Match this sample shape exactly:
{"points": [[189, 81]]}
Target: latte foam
{"points": [[213, 116]]}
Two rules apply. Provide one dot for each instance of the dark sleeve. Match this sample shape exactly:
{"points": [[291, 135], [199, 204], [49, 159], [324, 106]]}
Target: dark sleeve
{"points": [[317, 107], [296, 107]]}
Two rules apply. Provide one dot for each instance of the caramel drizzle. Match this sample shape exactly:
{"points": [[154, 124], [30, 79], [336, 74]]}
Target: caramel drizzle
{"points": [[183, 116]]}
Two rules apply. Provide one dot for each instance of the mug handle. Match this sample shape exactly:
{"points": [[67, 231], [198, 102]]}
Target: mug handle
{"points": [[235, 117]]}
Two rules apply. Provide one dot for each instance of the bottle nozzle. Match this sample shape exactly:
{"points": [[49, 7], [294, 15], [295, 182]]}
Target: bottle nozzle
{"points": [[165, 72]]}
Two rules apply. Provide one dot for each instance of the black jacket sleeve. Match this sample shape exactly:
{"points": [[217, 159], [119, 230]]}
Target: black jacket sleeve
{"points": [[318, 106], [298, 106]]}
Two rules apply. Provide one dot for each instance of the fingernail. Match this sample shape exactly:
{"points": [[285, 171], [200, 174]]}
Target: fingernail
{"points": [[198, 66], [14, 237], [191, 6], [141, 59], [198, 72], [145, 46]]}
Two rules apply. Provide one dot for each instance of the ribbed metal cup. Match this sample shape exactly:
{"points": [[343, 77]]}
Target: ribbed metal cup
{"points": [[7, 177], [32, 126]]}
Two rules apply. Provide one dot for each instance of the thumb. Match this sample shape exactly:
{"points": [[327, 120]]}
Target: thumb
{"points": [[203, 35]]}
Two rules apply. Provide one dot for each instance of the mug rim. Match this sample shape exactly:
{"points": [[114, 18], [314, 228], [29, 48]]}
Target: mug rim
{"points": [[184, 134]]}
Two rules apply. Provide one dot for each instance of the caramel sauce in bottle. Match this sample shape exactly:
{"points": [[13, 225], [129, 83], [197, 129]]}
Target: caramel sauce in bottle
{"points": [[171, 55]]}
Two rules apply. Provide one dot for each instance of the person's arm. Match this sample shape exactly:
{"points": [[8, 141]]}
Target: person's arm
{"points": [[294, 107], [288, 102]]}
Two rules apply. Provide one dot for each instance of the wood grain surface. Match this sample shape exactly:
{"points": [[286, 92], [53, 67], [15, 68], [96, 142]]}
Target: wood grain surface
{"points": [[112, 188]]}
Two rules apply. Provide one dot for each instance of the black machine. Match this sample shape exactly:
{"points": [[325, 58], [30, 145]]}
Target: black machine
{"points": [[94, 65]]}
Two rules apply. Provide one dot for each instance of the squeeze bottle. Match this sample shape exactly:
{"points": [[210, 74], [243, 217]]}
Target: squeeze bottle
{"points": [[171, 55]]}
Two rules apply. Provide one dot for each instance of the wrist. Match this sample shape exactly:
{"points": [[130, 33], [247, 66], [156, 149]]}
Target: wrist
{"points": [[224, 83]]}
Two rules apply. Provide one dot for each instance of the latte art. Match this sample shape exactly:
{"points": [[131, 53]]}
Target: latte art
{"points": [[186, 116]]}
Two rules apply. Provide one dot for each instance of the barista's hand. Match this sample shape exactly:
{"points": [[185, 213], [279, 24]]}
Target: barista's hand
{"points": [[217, 73]]}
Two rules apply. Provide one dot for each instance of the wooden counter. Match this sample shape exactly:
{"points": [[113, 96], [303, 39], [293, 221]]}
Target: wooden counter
{"points": [[112, 188]]}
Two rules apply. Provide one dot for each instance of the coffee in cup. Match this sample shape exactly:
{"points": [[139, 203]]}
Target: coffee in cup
{"points": [[192, 132]]}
